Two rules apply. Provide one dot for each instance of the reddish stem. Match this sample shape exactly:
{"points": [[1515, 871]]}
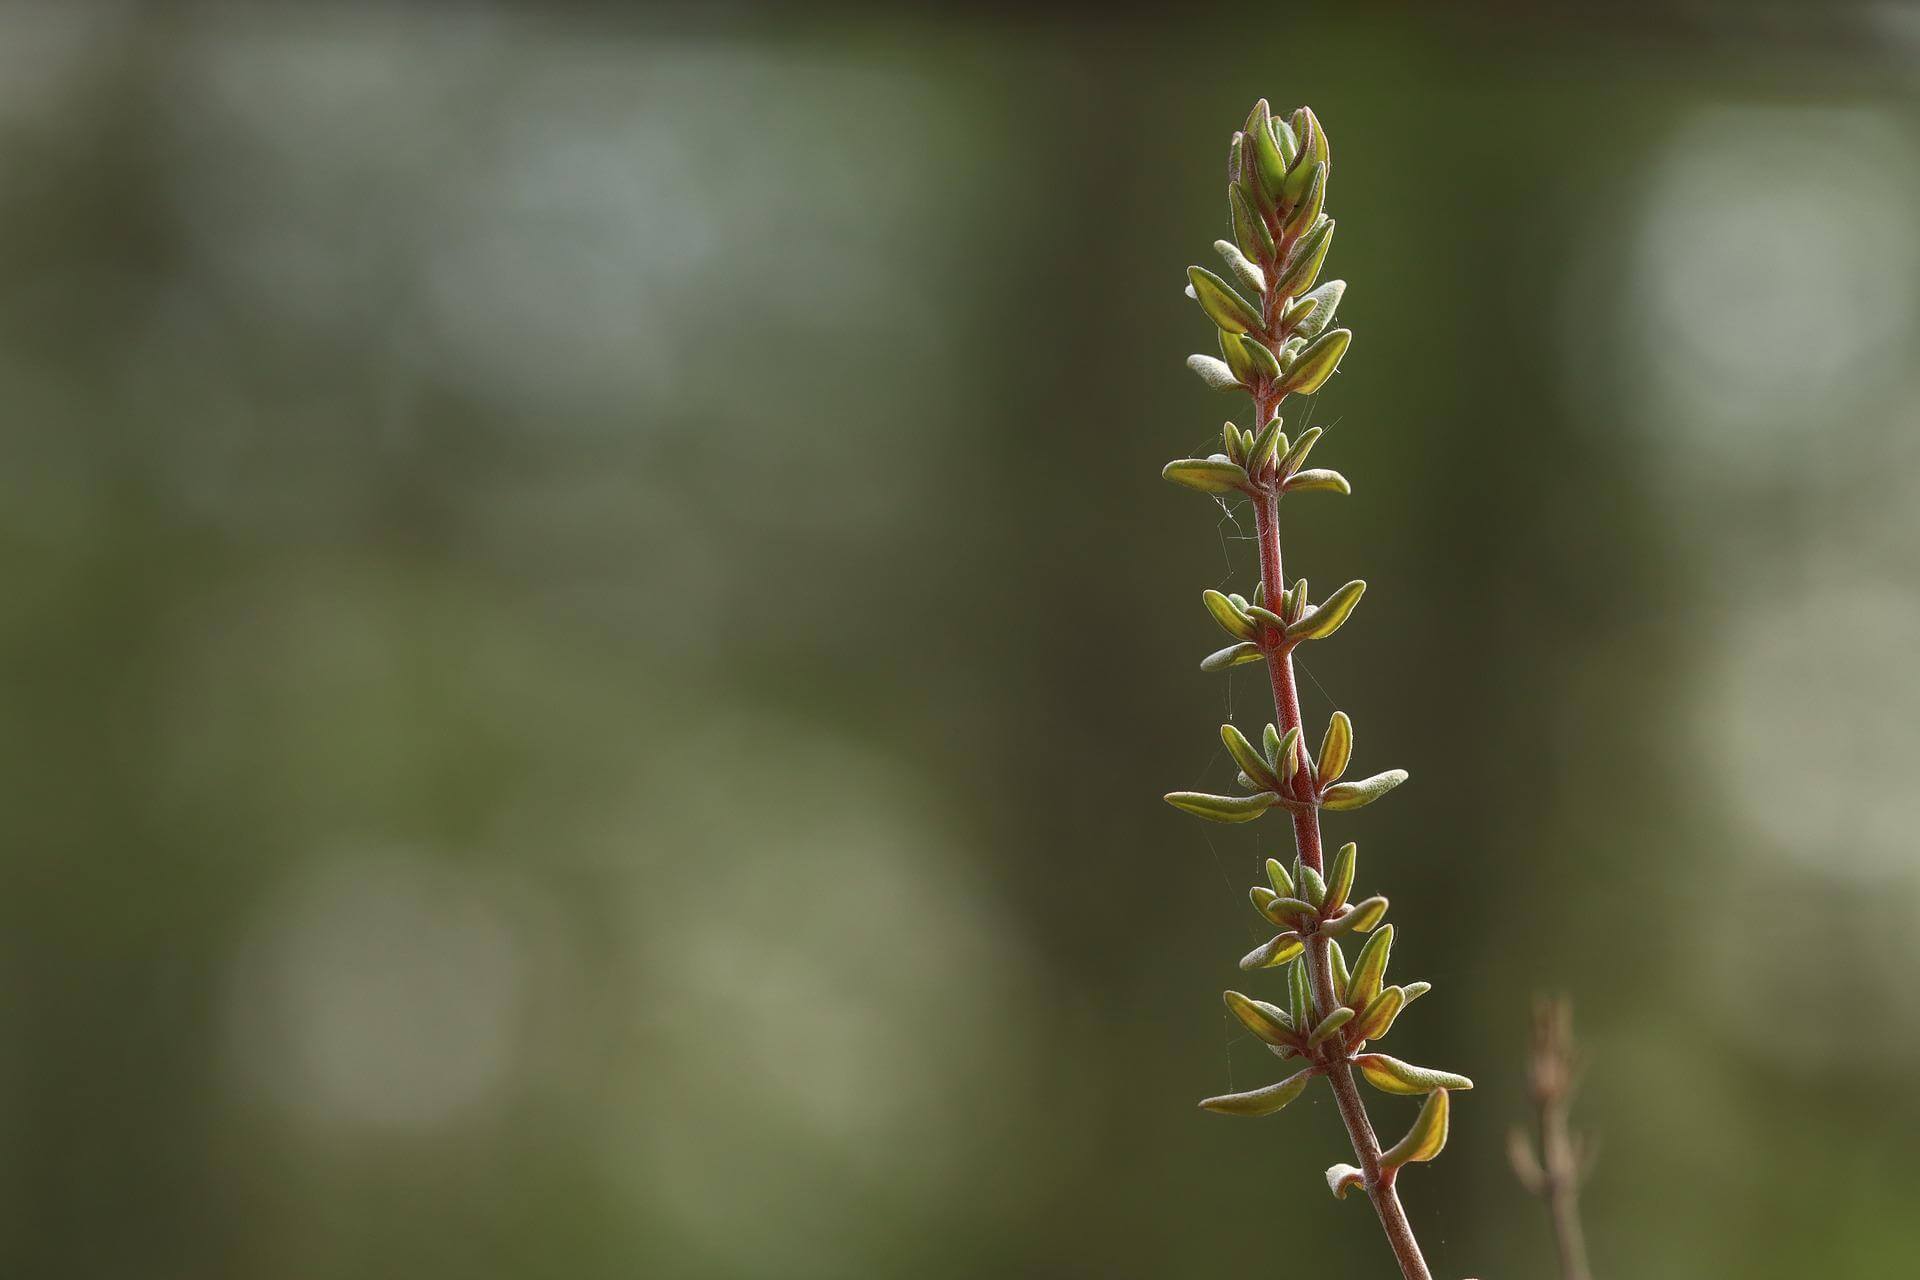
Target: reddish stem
{"points": [[1381, 1191]]}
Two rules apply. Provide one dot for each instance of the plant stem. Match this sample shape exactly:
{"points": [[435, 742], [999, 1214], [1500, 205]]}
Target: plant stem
{"points": [[1306, 834], [1563, 1189]]}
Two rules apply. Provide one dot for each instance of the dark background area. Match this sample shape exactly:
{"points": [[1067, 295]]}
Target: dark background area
{"points": [[593, 639]]}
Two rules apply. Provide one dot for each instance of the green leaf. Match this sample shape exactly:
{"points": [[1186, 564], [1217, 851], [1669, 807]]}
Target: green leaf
{"points": [[1267, 616], [1262, 1102], [1227, 309], [1415, 990], [1340, 878], [1246, 757], [1270, 445], [1336, 748], [1323, 481], [1249, 228], [1294, 602], [1277, 874], [1337, 963], [1248, 276], [1257, 355], [1213, 372], [1221, 808], [1370, 968], [1287, 912], [1364, 917], [1317, 362], [1354, 795], [1234, 655], [1310, 316], [1208, 475], [1390, 1075], [1304, 263], [1287, 760], [1426, 1139], [1266, 1021], [1307, 211], [1377, 1018], [1313, 888], [1261, 896], [1328, 1025], [1239, 361], [1266, 150], [1318, 624], [1313, 138], [1231, 620], [1342, 1178], [1300, 988], [1275, 951], [1289, 145], [1291, 460]]}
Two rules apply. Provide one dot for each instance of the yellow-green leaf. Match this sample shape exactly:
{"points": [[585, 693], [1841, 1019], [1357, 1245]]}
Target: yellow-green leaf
{"points": [[1318, 624], [1370, 968], [1233, 655], [1377, 1018], [1390, 1075], [1426, 1139], [1314, 365], [1222, 808], [1231, 620], [1274, 952], [1336, 748], [1316, 480], [1227, 309], [1269, 1022], [1328, 1025], [1340, 878], [1208, 475], [1262, 1102], [1353, 795]]}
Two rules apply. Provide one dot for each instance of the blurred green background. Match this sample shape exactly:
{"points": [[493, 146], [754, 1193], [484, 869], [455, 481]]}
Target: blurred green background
{"points": [[592, 636]]}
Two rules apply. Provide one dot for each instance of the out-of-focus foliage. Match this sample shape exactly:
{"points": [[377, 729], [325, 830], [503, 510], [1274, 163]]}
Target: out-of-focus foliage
{"points": [[587, 621]]}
